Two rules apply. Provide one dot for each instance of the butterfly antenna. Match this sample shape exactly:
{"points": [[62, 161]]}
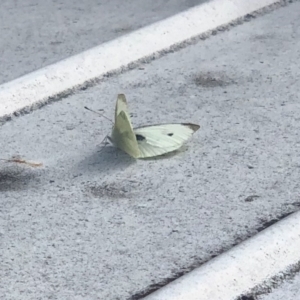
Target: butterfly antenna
{"points": [[102, 115]]}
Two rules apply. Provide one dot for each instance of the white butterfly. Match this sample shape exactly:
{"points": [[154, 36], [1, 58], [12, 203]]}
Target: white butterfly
{"points": [[147, 141]]}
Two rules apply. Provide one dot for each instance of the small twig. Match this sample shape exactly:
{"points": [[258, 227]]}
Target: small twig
{"points": [[22, 161]]}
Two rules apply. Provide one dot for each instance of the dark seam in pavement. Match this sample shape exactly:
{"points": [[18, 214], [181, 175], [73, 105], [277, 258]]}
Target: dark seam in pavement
{"points": [[197, 263], [272, 283]]}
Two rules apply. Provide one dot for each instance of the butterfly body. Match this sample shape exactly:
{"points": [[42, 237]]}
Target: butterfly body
{"points": [[147, 141]]}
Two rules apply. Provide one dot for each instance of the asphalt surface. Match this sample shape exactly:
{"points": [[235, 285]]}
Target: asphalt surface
{"points": [[37, 33], [95, 224]]}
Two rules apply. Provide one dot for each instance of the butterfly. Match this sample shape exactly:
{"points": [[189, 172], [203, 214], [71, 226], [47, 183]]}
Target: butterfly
{"points": [[147, 141]]}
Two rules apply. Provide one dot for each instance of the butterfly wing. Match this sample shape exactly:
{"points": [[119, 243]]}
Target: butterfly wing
{"points": [[160, 139], [121, 105], [122, 135]]}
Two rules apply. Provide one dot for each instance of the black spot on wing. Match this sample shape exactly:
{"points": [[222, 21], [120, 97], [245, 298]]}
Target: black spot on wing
{"points": [[139, 137], [170, 134]]}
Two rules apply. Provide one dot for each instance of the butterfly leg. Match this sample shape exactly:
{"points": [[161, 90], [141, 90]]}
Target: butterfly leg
{"points": [[105, 142]]}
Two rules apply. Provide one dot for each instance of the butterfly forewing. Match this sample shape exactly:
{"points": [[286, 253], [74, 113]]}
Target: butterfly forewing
{"points": [[122, 135], [121, 105], [160, 139]]}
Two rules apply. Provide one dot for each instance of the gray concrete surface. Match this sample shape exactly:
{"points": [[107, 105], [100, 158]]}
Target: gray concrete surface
{"points": [[289, 290], [95, 224], [37, 33]]}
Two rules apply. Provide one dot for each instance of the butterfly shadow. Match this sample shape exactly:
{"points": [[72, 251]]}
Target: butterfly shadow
{"points": [[107, 158]]}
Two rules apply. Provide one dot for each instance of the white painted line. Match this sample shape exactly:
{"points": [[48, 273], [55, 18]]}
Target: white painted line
{"points": [[241, 268], [39, 86]]}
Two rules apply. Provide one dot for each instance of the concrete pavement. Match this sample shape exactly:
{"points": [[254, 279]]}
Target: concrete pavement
{"points": [[37, 33], [252, 268], [66, 77], [94, 224]]}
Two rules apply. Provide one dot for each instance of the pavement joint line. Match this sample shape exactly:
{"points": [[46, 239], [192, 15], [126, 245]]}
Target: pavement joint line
{"points": [[241, 269], [65, 77]]}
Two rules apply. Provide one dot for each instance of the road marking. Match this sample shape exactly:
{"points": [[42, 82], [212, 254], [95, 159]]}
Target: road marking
{"points": [[39, 87], [241, 268]]}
